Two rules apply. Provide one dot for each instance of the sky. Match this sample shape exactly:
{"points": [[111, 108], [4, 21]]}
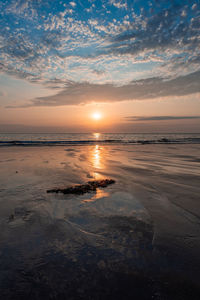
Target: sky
{"points": [[137, 63]]}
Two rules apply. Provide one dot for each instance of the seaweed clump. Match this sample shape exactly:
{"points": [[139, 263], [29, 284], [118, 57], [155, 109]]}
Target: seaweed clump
{"points": [[90, 186]]}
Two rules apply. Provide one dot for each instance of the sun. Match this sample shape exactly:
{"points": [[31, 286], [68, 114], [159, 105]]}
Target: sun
{"points": [[96, 116]]}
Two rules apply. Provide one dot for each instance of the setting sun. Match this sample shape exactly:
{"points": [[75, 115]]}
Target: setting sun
{"points": [[96, 116]]}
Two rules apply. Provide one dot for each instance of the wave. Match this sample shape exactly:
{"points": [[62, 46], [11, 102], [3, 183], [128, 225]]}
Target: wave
{"points": [[106, 141]]}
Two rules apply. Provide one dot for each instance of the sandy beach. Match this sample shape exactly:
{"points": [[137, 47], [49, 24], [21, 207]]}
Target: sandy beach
{"points": [[136, 239]]}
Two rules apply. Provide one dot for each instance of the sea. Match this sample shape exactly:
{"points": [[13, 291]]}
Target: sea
{"points": [[52, 139]]}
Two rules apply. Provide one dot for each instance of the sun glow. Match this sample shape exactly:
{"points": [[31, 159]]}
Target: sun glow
{"points": [[96, 116], [96, 135]]}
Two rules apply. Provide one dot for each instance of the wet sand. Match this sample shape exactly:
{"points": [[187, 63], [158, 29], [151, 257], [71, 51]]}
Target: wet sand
{"points": [[136, 239]]}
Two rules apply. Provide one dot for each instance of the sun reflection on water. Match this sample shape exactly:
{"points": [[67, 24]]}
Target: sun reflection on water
{"points": [[98, 195], [97, 161], [97, 157], [97, 135]]}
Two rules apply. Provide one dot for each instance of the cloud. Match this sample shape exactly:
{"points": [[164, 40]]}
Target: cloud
{"points": [[161, 118], [194, 6], [72, 3], [37, 41], [98, 72], [118, 4], [75, 93], [168, 29]]}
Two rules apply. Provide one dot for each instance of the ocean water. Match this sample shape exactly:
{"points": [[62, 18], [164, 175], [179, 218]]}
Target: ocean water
{"points": [[92, 138]]}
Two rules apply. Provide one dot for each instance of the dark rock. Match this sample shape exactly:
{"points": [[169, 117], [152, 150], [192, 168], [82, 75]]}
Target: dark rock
{"points": [[81, 189]]}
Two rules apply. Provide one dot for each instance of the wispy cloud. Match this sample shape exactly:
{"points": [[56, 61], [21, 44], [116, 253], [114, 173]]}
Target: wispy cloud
{"points": [[160, 118], [75, 93]]}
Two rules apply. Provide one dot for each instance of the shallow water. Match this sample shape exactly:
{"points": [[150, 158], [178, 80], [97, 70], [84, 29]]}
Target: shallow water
{"points": [[137, 238]]}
